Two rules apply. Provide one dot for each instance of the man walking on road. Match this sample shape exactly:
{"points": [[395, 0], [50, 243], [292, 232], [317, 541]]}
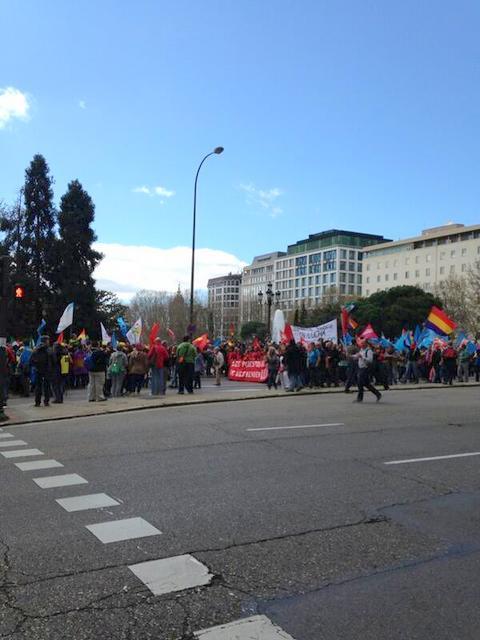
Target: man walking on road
{"points": [[186, 354], [365, 362]]}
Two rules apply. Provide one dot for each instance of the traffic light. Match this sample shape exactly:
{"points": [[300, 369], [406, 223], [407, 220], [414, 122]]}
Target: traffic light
{"points": [[4, 275], [19, 292]]}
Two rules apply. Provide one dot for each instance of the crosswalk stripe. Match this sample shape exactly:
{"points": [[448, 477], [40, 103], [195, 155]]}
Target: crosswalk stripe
{"points": [[66, 480], [6, 435], [90, 501], [22, 453], [255, 627], [127, 529], [172, 574], [13, 443], [35, 465]]}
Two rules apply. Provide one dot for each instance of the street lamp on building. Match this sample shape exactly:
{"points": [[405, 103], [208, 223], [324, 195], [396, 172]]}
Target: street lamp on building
{"points": [[270, 296], [217, 151]]}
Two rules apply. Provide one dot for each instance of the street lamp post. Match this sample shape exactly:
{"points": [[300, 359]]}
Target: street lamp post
{"points": [[270, 296], [217, 151]]}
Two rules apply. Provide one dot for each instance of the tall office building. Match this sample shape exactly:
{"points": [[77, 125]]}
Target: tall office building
{"points": [[255, 278], [424, 260], [330, 262], [224, 302]]}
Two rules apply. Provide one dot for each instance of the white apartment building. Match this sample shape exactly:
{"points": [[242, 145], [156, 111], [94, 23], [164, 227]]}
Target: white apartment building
{"points": [[423, 261], [224, 302], [255, 278], [324, 263]]}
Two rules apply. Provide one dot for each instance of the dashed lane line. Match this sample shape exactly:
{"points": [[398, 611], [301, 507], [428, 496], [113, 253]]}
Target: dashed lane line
{"points": [[454, 455], [300, 426]]}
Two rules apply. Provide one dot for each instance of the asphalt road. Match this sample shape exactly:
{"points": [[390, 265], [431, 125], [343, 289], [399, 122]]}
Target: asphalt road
{"points": [[304, 533]]}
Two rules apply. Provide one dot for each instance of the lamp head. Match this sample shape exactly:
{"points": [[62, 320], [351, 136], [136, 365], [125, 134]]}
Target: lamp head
{"points": [[218, 150]]}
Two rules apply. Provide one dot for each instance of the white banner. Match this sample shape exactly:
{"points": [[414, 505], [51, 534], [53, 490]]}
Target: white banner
{"points": [[135, 332], [327, 331]]}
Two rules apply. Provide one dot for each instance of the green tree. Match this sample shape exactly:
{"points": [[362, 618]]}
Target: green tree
{"points": [[76, 258], [395, 309], [253, 328], [36, 261], [109, 308]]}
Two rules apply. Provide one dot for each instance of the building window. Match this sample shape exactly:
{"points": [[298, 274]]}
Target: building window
{"points": [[464, 268], [407, 260], [343, 277], [429, 257], [368, 280], [442, 255], [351, 255], [378, 278], [351, 266], [407, 275], [417, 274], [359, 279], [417, 259], [452, 268], [343, 288], [452, 253], [394, 276], [368, 265], [351, 277], [343, 254], [343, 265], [442, 270], [427, 272], [386, 277], [333, 278]]}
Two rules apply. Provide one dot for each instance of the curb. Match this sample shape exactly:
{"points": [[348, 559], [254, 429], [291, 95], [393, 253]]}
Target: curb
{"points": [[263, 396]]}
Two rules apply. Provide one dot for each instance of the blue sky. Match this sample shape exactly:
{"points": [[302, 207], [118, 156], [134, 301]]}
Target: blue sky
{"points": [[360, 115]]}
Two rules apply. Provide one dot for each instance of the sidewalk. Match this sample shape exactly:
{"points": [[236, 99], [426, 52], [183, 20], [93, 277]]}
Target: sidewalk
{"points": [[23, 411]]}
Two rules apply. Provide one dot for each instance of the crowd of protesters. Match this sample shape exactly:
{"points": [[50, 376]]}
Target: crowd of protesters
{"points": [[52, 369]]}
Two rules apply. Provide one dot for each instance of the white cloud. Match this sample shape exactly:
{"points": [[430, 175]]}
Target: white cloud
{"points": [[82, 104], [154, 191], [13, 104], [127, 269], [265, 198]]}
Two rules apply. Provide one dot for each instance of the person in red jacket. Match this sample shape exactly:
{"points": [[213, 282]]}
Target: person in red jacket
{"points": [[158, 359]]}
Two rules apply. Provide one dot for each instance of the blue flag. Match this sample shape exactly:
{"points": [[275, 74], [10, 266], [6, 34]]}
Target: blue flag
{"points": [[217, 342], [460, 338], [347, 339], [123, 326], [471, 348], [40, 328], [114, 341]]}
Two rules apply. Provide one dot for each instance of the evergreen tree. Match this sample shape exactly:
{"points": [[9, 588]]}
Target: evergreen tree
{"points": [[37, 258], [177, 314], [76, 259]]}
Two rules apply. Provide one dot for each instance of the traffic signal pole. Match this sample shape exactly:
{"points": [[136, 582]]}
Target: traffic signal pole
{"points": [[4, 297]]}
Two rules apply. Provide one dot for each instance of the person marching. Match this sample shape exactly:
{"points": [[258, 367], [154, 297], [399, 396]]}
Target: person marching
{"points": [[365, 362]]}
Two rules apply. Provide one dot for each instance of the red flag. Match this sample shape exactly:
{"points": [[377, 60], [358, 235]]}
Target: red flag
{"points": [[153, 333], [231, 329], [287, 334], [256, 346], [344, 318], [60, 338], [352, 323], [201, 342], [171, 334], [368, 333]]}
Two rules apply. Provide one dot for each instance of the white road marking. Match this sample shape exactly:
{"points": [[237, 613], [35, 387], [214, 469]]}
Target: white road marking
{"points": [[118, 530], [34, 465], [172, 574], [254, 628], [300, 426], [6, 435], [22, 453], [91, 501], [13, 443], [66, 480], [455, 455]]}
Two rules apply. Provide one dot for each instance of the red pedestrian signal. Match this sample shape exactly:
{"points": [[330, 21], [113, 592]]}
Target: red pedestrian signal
{"points": [[19, 292]]}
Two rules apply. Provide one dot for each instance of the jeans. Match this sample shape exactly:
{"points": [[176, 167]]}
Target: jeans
{"points": [[462, 372], [135, 382], [158, 388], [272, 378], [95, 385], [117, 383], [295, 381], [57, 384]]}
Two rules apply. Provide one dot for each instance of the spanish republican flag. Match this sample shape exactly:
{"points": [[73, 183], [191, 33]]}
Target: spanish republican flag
{"points": [[201, 342], [439, 322]]}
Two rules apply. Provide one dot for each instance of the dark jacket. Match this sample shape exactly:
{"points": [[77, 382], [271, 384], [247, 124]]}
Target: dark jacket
{"points": [[293, 358], [43, 361], [99, 361]]}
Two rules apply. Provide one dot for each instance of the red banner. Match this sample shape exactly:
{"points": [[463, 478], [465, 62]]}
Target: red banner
{"points": [[248, 371]]}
